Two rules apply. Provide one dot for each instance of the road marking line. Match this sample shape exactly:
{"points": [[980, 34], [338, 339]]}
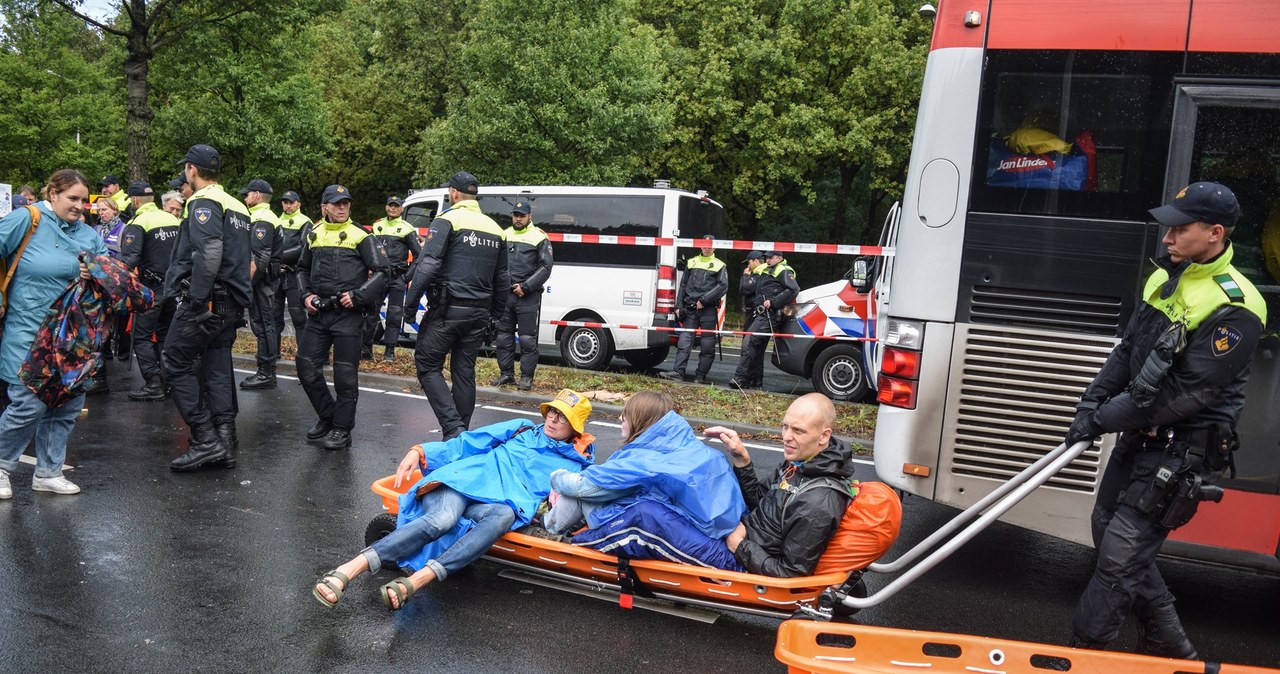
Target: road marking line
{"points": [[402, 394], [532, 413], [366, 389]]}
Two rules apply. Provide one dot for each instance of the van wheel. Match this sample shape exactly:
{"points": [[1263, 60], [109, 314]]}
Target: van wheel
{"points": [[379, 527], [839, 374], [586, 348], [647, 359]]}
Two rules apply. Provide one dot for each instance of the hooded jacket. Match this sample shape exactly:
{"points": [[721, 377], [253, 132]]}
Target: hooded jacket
{"points": [[787, 542], [668, 464]]}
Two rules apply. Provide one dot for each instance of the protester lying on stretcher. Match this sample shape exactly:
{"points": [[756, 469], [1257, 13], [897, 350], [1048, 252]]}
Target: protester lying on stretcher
{"points": [[806, 519], [486, 482], [663, 475]]}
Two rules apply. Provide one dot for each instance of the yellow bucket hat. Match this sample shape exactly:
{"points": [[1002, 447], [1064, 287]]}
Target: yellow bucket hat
{"points": [[573, 405]]}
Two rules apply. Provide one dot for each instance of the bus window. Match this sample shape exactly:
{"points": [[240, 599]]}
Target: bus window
{"points": [[1071, 134], [583, 214]]}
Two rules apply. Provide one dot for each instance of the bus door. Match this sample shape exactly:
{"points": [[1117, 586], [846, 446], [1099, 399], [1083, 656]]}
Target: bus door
{"points": [[1230, 133]]}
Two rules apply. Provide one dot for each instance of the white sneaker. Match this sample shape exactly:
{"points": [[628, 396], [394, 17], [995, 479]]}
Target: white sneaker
{"points": [[6, 489], [57, 485]]}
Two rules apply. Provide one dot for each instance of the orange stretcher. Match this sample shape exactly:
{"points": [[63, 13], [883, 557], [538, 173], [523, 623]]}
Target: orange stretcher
{"points": [[836, 648], [680, 583]]}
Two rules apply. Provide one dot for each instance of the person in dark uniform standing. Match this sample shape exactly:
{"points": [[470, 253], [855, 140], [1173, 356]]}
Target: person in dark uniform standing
{"points": [[775, 288], [147, 247], [294, 227], [704, 282], [1173, 388], [747, 287], [463, 272], [264, 269], [400, 240], [209, 275], [342, 275], [529, 262]]}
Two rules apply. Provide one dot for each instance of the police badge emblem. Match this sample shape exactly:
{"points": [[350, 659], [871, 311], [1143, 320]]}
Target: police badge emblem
{"points": [[260, 234], [203, 215], [1225, 338]]}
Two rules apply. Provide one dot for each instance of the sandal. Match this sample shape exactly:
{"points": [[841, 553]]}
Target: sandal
{"points": [[403, 589], [327, 581]]}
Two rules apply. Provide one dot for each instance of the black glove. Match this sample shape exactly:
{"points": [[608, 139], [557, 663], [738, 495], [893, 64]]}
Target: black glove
{"points": [[206, 322], [1083, 427], [490, 331]]}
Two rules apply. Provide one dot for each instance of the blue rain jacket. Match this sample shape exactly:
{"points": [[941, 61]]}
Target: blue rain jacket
{"points": [[668, 464], [493, 464]]}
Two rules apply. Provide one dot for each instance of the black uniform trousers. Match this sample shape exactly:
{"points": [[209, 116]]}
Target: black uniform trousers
{"points": [[150, 330], [262, 320], [197, 364], [520, 316], [339, 329], [704, 318], [751, 363], [457, 334], [395, 316], [287, 293], [1126, 577]]}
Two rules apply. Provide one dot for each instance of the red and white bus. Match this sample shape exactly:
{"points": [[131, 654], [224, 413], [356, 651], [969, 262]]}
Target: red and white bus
{"points": [[1046, 130]]}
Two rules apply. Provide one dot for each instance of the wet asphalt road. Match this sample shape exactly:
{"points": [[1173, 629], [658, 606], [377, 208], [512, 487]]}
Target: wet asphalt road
{"points": [[148, 571]]}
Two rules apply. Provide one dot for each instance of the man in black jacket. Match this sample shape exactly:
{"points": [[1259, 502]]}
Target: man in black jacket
{"points": [[775, 288], [789, 523], [529, 262]]}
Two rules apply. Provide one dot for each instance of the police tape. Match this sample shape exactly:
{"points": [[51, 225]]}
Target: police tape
{"points": [[763, 246], [701, 331]]}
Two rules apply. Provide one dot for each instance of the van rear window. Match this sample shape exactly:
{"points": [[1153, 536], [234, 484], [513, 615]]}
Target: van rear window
{"points": [[583, 214]]}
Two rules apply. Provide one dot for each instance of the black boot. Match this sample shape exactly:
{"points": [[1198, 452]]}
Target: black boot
{"points": [[262, 379], [227, 433], [321, 429], [338, 439], [207, 450], [151, 390], [1160, 633], [97, 384]]}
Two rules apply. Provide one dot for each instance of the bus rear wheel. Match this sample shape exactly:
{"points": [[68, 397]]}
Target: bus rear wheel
{"points": [[838, 373], [586, 348]]}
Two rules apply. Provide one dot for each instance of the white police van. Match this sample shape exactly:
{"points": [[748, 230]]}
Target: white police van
{"points": [[592, 282]]}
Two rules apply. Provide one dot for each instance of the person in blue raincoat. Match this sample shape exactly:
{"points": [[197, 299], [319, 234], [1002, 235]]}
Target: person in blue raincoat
{"points": [[475, 488], [662, 480]]}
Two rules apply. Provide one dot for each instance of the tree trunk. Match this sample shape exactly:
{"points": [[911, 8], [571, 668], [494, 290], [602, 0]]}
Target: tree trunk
{"points": [[840, 223], [138, 121]]}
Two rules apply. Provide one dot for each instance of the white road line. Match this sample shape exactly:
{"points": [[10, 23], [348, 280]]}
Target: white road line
{"points": [[366, 389], [402, 394], [531, 413]]}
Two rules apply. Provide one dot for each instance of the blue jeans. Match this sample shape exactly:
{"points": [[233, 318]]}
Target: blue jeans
{"points": [[27, 417], [443, 507]]}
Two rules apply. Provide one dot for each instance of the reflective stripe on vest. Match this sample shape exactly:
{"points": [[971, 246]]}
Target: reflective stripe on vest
{"points": [[530, 235], [150, 217], [337, 235], [710, 263]]}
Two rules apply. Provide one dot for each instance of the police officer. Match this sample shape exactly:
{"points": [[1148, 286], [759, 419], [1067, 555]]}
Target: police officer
{"points": [[209, 275], [529, 262], [775, 288], [705, 281], [147, 246], [341, 276], [112, 187], [400, 240], [265, 270], [294, 227], [463, 272], [747, 287], [1173, 388]]}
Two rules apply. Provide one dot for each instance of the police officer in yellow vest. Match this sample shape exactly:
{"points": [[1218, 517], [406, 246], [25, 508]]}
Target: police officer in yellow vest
{"points": [[146, 245], [342, 276], [775, 288], [294, 227], [463, 272], [209, 274], [705, 281], [400, 239], [265, 270], [529, 261], [111, 187], [1173, 388]]}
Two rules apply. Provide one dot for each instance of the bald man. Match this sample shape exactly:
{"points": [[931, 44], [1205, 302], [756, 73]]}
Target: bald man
{"points": [[799, 508]]}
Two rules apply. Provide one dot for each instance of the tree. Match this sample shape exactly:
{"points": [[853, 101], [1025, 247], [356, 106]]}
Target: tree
{"points": [[55, 114], [555, 91]]}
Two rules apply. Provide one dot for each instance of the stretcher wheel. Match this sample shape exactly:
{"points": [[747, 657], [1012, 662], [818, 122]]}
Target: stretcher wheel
{"points": [[379, 527]]}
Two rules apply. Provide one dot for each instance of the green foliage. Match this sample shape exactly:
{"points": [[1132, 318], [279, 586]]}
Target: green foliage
{"points": [[550, 91], [61, 104]]}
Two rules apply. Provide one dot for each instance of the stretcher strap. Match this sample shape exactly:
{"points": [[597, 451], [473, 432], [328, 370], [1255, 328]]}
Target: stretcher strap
{"points": [[629, 584]]}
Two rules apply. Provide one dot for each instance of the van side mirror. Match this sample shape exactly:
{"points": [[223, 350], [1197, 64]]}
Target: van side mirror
{"points": [[858, 274]]}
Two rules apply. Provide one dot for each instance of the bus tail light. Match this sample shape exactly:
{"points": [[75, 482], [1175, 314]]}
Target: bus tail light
{"points": [[664, 302], [897, 392], [900, 364]]}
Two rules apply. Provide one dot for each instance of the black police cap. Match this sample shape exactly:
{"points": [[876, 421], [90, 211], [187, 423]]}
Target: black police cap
{"points": [[1212, 203], [335, 193], [522, 207], [203, 156], [395, 200], [108, 180], [257, 185], [290, 196], [464, 182], [140, 189]]}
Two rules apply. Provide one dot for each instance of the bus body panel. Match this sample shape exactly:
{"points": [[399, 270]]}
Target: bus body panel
{"points": [[912, 436]]}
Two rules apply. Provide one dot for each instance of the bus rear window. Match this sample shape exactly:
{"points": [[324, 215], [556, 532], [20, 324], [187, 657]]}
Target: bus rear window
{"points": [[699, 218], [609, 215], [1072, 133]]}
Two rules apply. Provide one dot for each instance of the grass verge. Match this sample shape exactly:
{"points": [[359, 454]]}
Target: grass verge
{"points": [[761, 409]]}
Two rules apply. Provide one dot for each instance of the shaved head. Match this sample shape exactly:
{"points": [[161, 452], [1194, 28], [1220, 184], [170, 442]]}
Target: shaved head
{"points": [[806, 428]]}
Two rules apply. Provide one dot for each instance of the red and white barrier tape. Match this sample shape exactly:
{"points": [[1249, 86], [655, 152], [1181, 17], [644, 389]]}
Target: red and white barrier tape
{"points": [[763, 246], [700, 331]]}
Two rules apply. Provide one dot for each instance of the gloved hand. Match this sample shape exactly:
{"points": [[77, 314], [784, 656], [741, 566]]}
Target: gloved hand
{"points": [[490, 331], [207, 321], [1083, 427]]}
